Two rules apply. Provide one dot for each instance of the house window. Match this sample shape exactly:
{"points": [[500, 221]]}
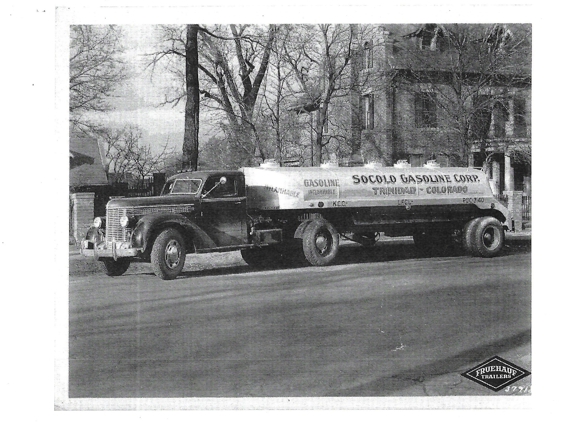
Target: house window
{"points": [[425, 110], [500, 118], [520, 122], [368, 62], [368, 110], [429, 37], [481, 118]]}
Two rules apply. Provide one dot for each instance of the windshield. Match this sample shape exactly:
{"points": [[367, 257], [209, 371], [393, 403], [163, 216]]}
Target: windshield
{"points": [[182, 186]]}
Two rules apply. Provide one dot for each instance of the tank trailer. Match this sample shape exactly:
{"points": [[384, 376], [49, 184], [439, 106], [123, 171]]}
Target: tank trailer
{"points": [[297, 215]]}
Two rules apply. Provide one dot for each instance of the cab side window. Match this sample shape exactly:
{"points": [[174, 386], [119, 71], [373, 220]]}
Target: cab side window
{"points": [[226, 190]]}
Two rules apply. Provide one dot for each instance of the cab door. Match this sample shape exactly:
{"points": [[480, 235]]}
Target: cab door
{"points": [[223, 210]]}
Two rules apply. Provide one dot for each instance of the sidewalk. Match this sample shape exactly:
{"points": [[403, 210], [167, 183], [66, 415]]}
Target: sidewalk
{"points": [[523, 235]]}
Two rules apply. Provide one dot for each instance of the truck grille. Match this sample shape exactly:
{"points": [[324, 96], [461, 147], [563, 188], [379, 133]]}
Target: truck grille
{"points": [[114, 231]]}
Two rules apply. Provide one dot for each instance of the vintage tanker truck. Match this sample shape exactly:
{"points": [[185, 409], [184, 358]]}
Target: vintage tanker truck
{"points": [[281, 215]]}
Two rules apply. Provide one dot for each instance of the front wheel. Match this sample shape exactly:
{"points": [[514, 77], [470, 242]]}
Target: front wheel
{"points": [[320, 243], [168, 254], [115, 268]]}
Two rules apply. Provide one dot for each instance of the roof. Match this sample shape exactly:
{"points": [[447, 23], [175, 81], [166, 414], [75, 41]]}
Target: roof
{"points": [[86, 168], [407, 55], [204, 173]]}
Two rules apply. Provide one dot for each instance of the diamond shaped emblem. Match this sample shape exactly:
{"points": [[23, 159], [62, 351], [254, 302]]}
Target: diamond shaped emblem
{"points": [[496, 373]]}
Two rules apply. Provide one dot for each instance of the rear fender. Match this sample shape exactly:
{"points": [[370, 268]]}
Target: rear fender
{"points": [[149, 226], [300, 229]]}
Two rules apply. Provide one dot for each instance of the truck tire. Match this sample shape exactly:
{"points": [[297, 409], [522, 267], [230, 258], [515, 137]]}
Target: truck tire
{"points": [[115, 268], [168, 254], [468, 233], [488, 237], [320, 243]]}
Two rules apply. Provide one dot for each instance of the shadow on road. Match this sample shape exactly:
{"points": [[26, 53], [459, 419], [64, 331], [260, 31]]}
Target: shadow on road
{"points": [[357, 254]]}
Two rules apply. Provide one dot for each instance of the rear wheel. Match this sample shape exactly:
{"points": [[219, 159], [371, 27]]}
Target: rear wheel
{"points": [[468, 233], [488, 237], [168, 254], [320, 243], [115, 268]]}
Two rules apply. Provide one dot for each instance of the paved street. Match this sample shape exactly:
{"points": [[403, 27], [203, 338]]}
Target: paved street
{"points": [[382, 322]]}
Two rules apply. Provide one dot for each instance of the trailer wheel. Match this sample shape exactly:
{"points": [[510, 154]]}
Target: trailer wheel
{"points": [[488, 237], [320, 243], [115, 268], [468, 233], [168, 254]]}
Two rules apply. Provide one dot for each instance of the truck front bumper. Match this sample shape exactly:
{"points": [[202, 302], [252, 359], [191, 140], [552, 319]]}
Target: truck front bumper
{"points": [[113, 250]]}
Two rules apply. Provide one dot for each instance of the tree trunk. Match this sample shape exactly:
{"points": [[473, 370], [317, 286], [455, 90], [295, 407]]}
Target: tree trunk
{"points": [[191, 134], [317, 150]]}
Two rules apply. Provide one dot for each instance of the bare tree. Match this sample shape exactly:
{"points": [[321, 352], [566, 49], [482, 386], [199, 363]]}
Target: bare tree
{"points": [[281, 127], [127, 158], [191, 135], [321, 59], [214, 51], [180, 44], [96, 69], [234, 62]]}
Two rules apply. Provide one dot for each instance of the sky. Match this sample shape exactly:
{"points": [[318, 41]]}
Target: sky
{"points": [[137, 101]]}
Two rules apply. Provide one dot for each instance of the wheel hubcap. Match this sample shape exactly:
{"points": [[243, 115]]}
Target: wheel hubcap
{"points": [[322, 243], [488, 238], [172, 254]]}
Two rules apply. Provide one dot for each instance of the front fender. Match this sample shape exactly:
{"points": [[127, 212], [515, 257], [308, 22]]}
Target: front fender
{"points": [[150, 225], [95, 235]]}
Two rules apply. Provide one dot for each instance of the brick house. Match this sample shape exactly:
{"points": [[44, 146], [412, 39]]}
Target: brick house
{"points": [[88, 181], [416, 97]]}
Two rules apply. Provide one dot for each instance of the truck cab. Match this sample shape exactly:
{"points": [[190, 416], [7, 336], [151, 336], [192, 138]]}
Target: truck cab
{"points": [[196, 212]]}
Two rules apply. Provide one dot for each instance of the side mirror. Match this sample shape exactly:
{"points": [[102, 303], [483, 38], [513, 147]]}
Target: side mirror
{"points": [[221, 181]]}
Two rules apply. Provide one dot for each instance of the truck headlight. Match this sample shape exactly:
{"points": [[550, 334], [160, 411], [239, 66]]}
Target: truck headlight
{"points": [[124, 221], [99, 222]]}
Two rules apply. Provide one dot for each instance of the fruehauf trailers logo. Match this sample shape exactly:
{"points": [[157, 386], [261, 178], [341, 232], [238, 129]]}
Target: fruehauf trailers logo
{"points": [[496, 373]]}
